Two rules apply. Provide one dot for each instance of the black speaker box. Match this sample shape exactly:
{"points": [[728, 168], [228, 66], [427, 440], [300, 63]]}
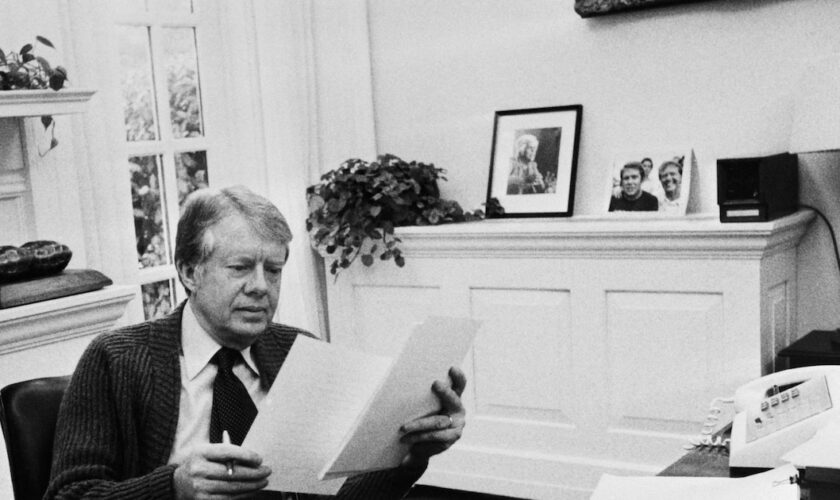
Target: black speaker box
{"points": [[757, 189]]}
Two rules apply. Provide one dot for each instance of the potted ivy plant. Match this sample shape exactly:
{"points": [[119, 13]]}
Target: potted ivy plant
{"points": [[23, 70], [354, 209]]}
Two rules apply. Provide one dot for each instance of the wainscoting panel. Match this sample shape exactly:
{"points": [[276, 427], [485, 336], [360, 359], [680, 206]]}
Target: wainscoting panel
{"points": [[526, 337]]}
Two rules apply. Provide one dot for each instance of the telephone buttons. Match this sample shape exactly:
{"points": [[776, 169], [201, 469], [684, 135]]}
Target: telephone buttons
{"points": [[785, 408]]}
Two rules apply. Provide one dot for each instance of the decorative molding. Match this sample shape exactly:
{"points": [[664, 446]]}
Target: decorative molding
{"points": [[50, 321], [695, 236], [25, 103]]}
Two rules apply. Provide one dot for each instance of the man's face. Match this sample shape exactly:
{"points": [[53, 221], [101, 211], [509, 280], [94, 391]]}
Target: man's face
{"points": [[631, 182], [236, 290], [671, 179]]}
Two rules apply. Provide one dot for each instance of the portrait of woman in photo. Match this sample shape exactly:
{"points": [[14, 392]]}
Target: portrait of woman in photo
{"points": [[524, 177]]}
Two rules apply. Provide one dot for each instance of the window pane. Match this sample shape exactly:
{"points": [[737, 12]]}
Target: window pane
{"points": [[182, 81], [157, 298], [191, 170], [146, 198], [136, 84]]}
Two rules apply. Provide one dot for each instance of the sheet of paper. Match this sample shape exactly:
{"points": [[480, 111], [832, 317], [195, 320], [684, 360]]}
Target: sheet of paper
{"points": [[317, 396], [431, 349], [775, 484], [819, 451]]}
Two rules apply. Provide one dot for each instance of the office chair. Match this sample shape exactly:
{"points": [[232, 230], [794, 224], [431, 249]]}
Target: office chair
{"points": [[28, 413]]}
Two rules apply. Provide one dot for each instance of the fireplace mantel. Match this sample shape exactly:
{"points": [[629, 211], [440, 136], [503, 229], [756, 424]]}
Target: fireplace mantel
{"points": [[27, 103], [603, 339], [33, 325]]}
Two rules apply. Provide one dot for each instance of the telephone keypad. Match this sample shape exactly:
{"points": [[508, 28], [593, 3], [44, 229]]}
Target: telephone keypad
{"points": [[788, 407]]}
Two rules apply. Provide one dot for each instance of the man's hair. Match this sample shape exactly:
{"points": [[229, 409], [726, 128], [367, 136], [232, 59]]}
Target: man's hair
{"points": [[206, 207], [670, 163], [633, 165]]}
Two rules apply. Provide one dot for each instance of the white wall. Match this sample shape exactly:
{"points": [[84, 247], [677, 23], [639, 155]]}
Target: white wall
{"points": [[714, 75]]}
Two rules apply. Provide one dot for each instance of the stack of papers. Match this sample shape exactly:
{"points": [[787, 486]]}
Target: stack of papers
{"points": [[776, 484]]}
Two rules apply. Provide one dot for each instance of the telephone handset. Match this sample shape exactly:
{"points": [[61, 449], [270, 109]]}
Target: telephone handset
{"points": [[778, 412]]}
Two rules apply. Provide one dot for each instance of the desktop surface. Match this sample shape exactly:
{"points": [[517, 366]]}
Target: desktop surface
{"points": [[705, 461]]}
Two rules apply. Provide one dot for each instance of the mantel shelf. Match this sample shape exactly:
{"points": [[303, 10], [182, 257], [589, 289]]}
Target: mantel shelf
{"points": [[56, 320], [26, 103], [700, 235]]}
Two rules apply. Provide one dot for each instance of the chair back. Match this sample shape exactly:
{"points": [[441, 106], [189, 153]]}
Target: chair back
{"points": [[28, 413]]}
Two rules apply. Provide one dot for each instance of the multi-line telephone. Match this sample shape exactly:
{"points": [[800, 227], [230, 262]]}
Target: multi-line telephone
{"points": [[774, 414]]}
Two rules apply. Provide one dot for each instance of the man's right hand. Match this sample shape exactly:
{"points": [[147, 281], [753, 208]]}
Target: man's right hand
{"points": [[204, 474]]}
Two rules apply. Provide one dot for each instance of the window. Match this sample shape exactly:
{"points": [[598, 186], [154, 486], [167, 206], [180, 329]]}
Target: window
{"points": [[166, 148]]}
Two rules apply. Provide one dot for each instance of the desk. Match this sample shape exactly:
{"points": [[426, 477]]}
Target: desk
{"points": [[819, 347], [706, 462]]}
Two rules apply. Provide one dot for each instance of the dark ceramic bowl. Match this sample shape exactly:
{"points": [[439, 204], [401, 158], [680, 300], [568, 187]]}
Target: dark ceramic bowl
{"points": [[15, 263], [48, 257]]}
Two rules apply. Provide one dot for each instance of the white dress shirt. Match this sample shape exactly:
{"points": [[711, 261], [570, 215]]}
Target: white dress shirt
{"points": [[197, 376]]}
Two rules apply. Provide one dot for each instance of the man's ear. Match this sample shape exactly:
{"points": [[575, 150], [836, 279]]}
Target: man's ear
{"points": [[187, 273]]}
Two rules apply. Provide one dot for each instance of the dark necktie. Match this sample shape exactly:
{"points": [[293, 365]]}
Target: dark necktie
{"points": [[233, 410]]}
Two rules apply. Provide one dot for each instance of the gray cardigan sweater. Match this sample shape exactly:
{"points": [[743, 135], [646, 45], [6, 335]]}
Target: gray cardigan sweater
{"points": [[117, 421]]}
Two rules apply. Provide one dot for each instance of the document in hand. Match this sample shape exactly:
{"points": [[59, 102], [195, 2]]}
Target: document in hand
{"points": [[775, 484], [334, 411]]}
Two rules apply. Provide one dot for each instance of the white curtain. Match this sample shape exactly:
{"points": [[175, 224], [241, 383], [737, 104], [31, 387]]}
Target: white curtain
{"points": [[317, 110]]}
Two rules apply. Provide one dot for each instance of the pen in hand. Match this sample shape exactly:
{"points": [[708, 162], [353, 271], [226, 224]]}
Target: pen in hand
{"points": [[230, 463]]}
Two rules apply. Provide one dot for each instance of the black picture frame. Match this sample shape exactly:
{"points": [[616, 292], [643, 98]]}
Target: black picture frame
{"points": [[533, 161]]}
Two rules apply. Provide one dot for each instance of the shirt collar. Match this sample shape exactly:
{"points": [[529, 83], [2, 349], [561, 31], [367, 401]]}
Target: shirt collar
{"points": [[198, 347]]}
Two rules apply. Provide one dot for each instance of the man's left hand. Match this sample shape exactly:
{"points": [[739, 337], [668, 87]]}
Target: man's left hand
{"points": [[434, 434]]}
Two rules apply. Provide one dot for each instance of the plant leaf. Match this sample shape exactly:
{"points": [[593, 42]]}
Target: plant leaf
{"points": [[26, 48], [45, 41]]}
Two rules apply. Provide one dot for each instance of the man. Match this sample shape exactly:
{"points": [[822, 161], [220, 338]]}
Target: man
{"points": [[633, 197], [649, 180], [670, 176], [148, 405]]}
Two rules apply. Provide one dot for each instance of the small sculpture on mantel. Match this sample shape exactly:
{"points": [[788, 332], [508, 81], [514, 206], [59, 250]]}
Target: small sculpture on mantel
{"points": [[33, 259], [35, 271]]}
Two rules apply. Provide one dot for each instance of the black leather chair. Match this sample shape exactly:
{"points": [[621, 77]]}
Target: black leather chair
{"points": [[28, 412]]}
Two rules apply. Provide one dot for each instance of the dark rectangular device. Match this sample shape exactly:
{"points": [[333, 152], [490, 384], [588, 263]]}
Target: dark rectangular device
{"points": [[757, 189]]}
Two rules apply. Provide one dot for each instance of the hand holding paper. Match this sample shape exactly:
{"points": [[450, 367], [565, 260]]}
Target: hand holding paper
{"points": [[434, 434], [333, 412]]}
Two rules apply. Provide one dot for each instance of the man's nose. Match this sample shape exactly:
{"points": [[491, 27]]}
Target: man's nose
{"points": [[257, 282]]}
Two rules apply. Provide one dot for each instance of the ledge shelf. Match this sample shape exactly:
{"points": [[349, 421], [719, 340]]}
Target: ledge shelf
{"points": [[56, 320], [27, 103]]}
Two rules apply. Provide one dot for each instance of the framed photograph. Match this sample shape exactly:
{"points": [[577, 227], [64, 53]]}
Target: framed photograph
{"points": [[655, 182], [534, 161]]}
